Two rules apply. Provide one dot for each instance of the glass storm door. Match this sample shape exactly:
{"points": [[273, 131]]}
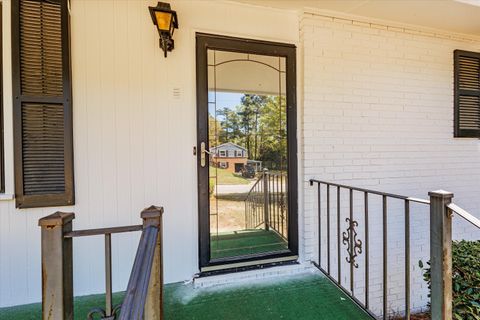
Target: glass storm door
{"points": [[246, 151]]}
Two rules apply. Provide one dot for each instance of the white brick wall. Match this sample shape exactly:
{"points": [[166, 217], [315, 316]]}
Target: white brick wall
{"points": [[378, 113]]}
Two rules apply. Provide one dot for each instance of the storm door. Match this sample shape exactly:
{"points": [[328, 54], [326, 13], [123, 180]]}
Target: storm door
{"points": [[247, 183]]}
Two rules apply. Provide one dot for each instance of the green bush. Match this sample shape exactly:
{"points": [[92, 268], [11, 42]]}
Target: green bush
{"points": [[466, 279], [211, 186]]}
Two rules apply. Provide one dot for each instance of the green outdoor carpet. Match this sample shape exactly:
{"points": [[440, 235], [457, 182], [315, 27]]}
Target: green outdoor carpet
{"points": [[302, 297], [82, 306], [240, 243]]}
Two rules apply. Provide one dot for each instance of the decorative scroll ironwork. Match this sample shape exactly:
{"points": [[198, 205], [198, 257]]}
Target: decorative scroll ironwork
{"points": [[354, 245], [103, 314]]}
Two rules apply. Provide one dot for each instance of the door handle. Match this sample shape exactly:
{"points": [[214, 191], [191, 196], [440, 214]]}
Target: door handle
{"points": [[203, 157]]}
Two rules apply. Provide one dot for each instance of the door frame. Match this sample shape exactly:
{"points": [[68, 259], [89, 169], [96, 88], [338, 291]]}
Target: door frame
{"points": [[206, 41]]}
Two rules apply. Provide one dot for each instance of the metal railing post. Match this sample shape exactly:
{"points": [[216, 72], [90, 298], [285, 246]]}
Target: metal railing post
{"points": [[57, 269], [266, 203], [441, 255], [152, 216]]}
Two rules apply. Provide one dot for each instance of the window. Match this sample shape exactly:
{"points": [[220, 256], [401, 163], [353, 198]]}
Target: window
{"points": [[223, 165], [467, 94], [223, 153], [42, 109], [238, 153]]}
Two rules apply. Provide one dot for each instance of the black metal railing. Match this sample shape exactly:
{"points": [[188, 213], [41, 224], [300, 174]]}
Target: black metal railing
{"points": [[353, 245], [145, 279], [255, 205], [266, 204]]}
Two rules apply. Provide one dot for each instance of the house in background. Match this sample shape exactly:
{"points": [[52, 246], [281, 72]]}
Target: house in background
{"points": [[99, 120], [229, 156]]}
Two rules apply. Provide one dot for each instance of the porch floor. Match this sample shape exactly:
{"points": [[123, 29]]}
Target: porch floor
{"points": [[303, 297], [245, 242]]}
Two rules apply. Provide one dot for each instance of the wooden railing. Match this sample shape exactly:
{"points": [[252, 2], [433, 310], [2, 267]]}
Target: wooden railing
{"points": [[143, 299]]}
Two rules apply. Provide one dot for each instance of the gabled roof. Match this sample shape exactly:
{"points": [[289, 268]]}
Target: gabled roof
{"points": [[229, 144]]}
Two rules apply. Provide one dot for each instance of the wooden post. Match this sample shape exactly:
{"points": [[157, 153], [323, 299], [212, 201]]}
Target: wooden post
{"points": [[152, 216], [57, 267], [441, 255], [266, 203]]}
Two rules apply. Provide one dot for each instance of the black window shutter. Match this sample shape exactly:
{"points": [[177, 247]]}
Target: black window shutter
{"points": [[467, 94], [42, 106]]}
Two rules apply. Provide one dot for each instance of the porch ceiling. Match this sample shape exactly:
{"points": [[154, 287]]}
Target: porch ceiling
{"points": [[459, 16]]}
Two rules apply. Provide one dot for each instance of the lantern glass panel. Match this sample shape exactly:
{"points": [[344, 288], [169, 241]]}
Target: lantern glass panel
{"points": [[164, 20]]}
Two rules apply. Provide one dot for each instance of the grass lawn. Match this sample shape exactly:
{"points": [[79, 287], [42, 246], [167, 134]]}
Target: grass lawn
{"points": [[231, 215], [226, 177]]}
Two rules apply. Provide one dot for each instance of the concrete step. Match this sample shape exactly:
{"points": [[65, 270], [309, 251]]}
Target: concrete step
{"points": [[253, 275]]}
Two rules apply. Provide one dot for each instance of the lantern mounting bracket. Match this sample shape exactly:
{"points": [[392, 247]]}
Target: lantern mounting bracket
{"points": [[166, 21]]}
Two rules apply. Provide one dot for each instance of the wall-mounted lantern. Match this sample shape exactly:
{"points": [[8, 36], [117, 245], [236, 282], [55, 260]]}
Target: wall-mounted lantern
{"points": [[165, 19]]}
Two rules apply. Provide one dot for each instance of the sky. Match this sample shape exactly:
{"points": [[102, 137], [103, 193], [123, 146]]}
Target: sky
{"points": [[225, 100], [228, 99]]}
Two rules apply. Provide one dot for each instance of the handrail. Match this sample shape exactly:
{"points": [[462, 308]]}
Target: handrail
{"points": [[135, 297], [267, 204], [464, 214], [441, 212], [144, 293], [252, 205], [332, 209], [380, 193], [253, 187], [102, 231], [261, 178]]}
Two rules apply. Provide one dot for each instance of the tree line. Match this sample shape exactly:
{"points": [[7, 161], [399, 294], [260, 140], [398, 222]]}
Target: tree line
{"points": [[258, 123]]}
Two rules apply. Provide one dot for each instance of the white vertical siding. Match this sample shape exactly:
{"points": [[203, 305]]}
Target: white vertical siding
{"points": [[132, 138]]}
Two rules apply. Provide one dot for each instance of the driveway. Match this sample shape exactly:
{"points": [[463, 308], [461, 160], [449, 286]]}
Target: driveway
{"points": [[234, 188]]}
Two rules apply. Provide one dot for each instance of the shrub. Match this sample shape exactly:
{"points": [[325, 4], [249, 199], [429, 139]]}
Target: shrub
{"points": [[211, 186], [466, 279]]}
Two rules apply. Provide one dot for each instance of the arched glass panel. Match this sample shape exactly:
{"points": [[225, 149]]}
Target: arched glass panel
{"points": [[248, 167]]}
